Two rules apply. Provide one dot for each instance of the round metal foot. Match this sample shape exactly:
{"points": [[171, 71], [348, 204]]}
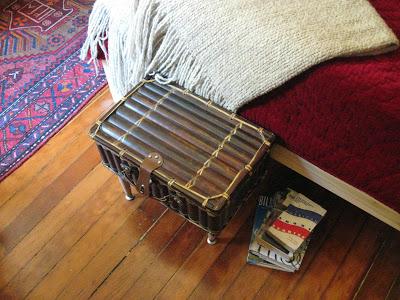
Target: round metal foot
{"points": [[211, 240], [129, 198]]}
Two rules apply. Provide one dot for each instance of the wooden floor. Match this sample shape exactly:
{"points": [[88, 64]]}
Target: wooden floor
{"points": [[67, 232]]}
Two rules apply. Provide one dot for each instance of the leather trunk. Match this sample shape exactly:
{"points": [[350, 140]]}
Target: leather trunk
{"points": [[184, 151]]}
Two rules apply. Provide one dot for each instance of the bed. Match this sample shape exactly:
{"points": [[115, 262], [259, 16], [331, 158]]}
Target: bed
{"points": [[346, 136]]}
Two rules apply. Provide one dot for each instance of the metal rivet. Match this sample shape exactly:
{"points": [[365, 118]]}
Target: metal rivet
{"points": [[159, 162], [156, 156], [149, 155]]}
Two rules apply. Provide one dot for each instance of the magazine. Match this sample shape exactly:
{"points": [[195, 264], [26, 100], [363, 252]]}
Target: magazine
{"points": [[294, 224], [255, 260], [261, 256], [270, 256]]}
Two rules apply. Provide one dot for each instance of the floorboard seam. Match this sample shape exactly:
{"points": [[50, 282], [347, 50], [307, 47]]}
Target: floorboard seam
{"points": [[77, 241], [48, 212], [162, 250], [44, 245], [219, 255], [233, 281], [361, 284], [181, 266], [345, 256], [176, 271], [392, 286], [101, 248]]}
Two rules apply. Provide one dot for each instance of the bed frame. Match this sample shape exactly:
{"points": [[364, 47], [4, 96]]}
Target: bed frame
{"points": [[336, 186]]}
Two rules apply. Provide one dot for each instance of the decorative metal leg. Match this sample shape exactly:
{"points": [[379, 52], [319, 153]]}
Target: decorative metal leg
{"points": [[211, 238], [127, 189]]}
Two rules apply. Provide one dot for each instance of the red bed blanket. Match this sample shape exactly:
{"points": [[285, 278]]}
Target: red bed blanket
{"points": [[344, 117]]}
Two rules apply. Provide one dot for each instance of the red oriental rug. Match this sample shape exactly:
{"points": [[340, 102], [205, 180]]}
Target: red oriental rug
{"points": [[43, 84]]}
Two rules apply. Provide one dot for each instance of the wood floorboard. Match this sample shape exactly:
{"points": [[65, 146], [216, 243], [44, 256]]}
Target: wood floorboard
{"points": [[50, 153], [168, 262], [48, 199], [64, 239], [123, 218], [384, 270], [86, 281], [66, 232], [226, 267], [394, 291], [139, 258], [47, 228], [44, 179], [357, 261]]}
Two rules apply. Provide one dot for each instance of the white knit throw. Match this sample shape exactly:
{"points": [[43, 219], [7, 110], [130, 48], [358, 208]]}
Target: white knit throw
{"points": [[230, 51]]}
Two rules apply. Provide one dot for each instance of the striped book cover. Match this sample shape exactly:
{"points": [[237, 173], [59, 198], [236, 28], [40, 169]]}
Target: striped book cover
{"points": [[294, 225]]}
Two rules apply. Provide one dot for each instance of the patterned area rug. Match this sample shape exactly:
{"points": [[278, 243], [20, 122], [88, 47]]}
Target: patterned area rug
{"points": [[43, 84]]}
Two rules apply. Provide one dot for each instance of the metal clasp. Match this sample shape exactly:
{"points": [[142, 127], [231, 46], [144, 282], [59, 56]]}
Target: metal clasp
{"points": [[151, 162]]}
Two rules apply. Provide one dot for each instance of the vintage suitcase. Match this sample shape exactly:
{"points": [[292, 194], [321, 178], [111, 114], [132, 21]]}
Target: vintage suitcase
{"points": [[191, 155]]}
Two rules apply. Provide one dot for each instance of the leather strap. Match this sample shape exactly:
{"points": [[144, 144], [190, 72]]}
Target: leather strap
{"points": [[152, 162], [142, 187]]}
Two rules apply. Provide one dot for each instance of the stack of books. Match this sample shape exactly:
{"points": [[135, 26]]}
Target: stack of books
{"points": [[281, 232]]}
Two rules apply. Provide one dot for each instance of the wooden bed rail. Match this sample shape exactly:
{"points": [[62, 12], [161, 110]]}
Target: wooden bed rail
{"points": [[336, 186]]}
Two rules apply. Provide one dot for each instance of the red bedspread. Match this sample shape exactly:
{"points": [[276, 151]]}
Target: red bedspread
{"points": [[344, 117]]}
